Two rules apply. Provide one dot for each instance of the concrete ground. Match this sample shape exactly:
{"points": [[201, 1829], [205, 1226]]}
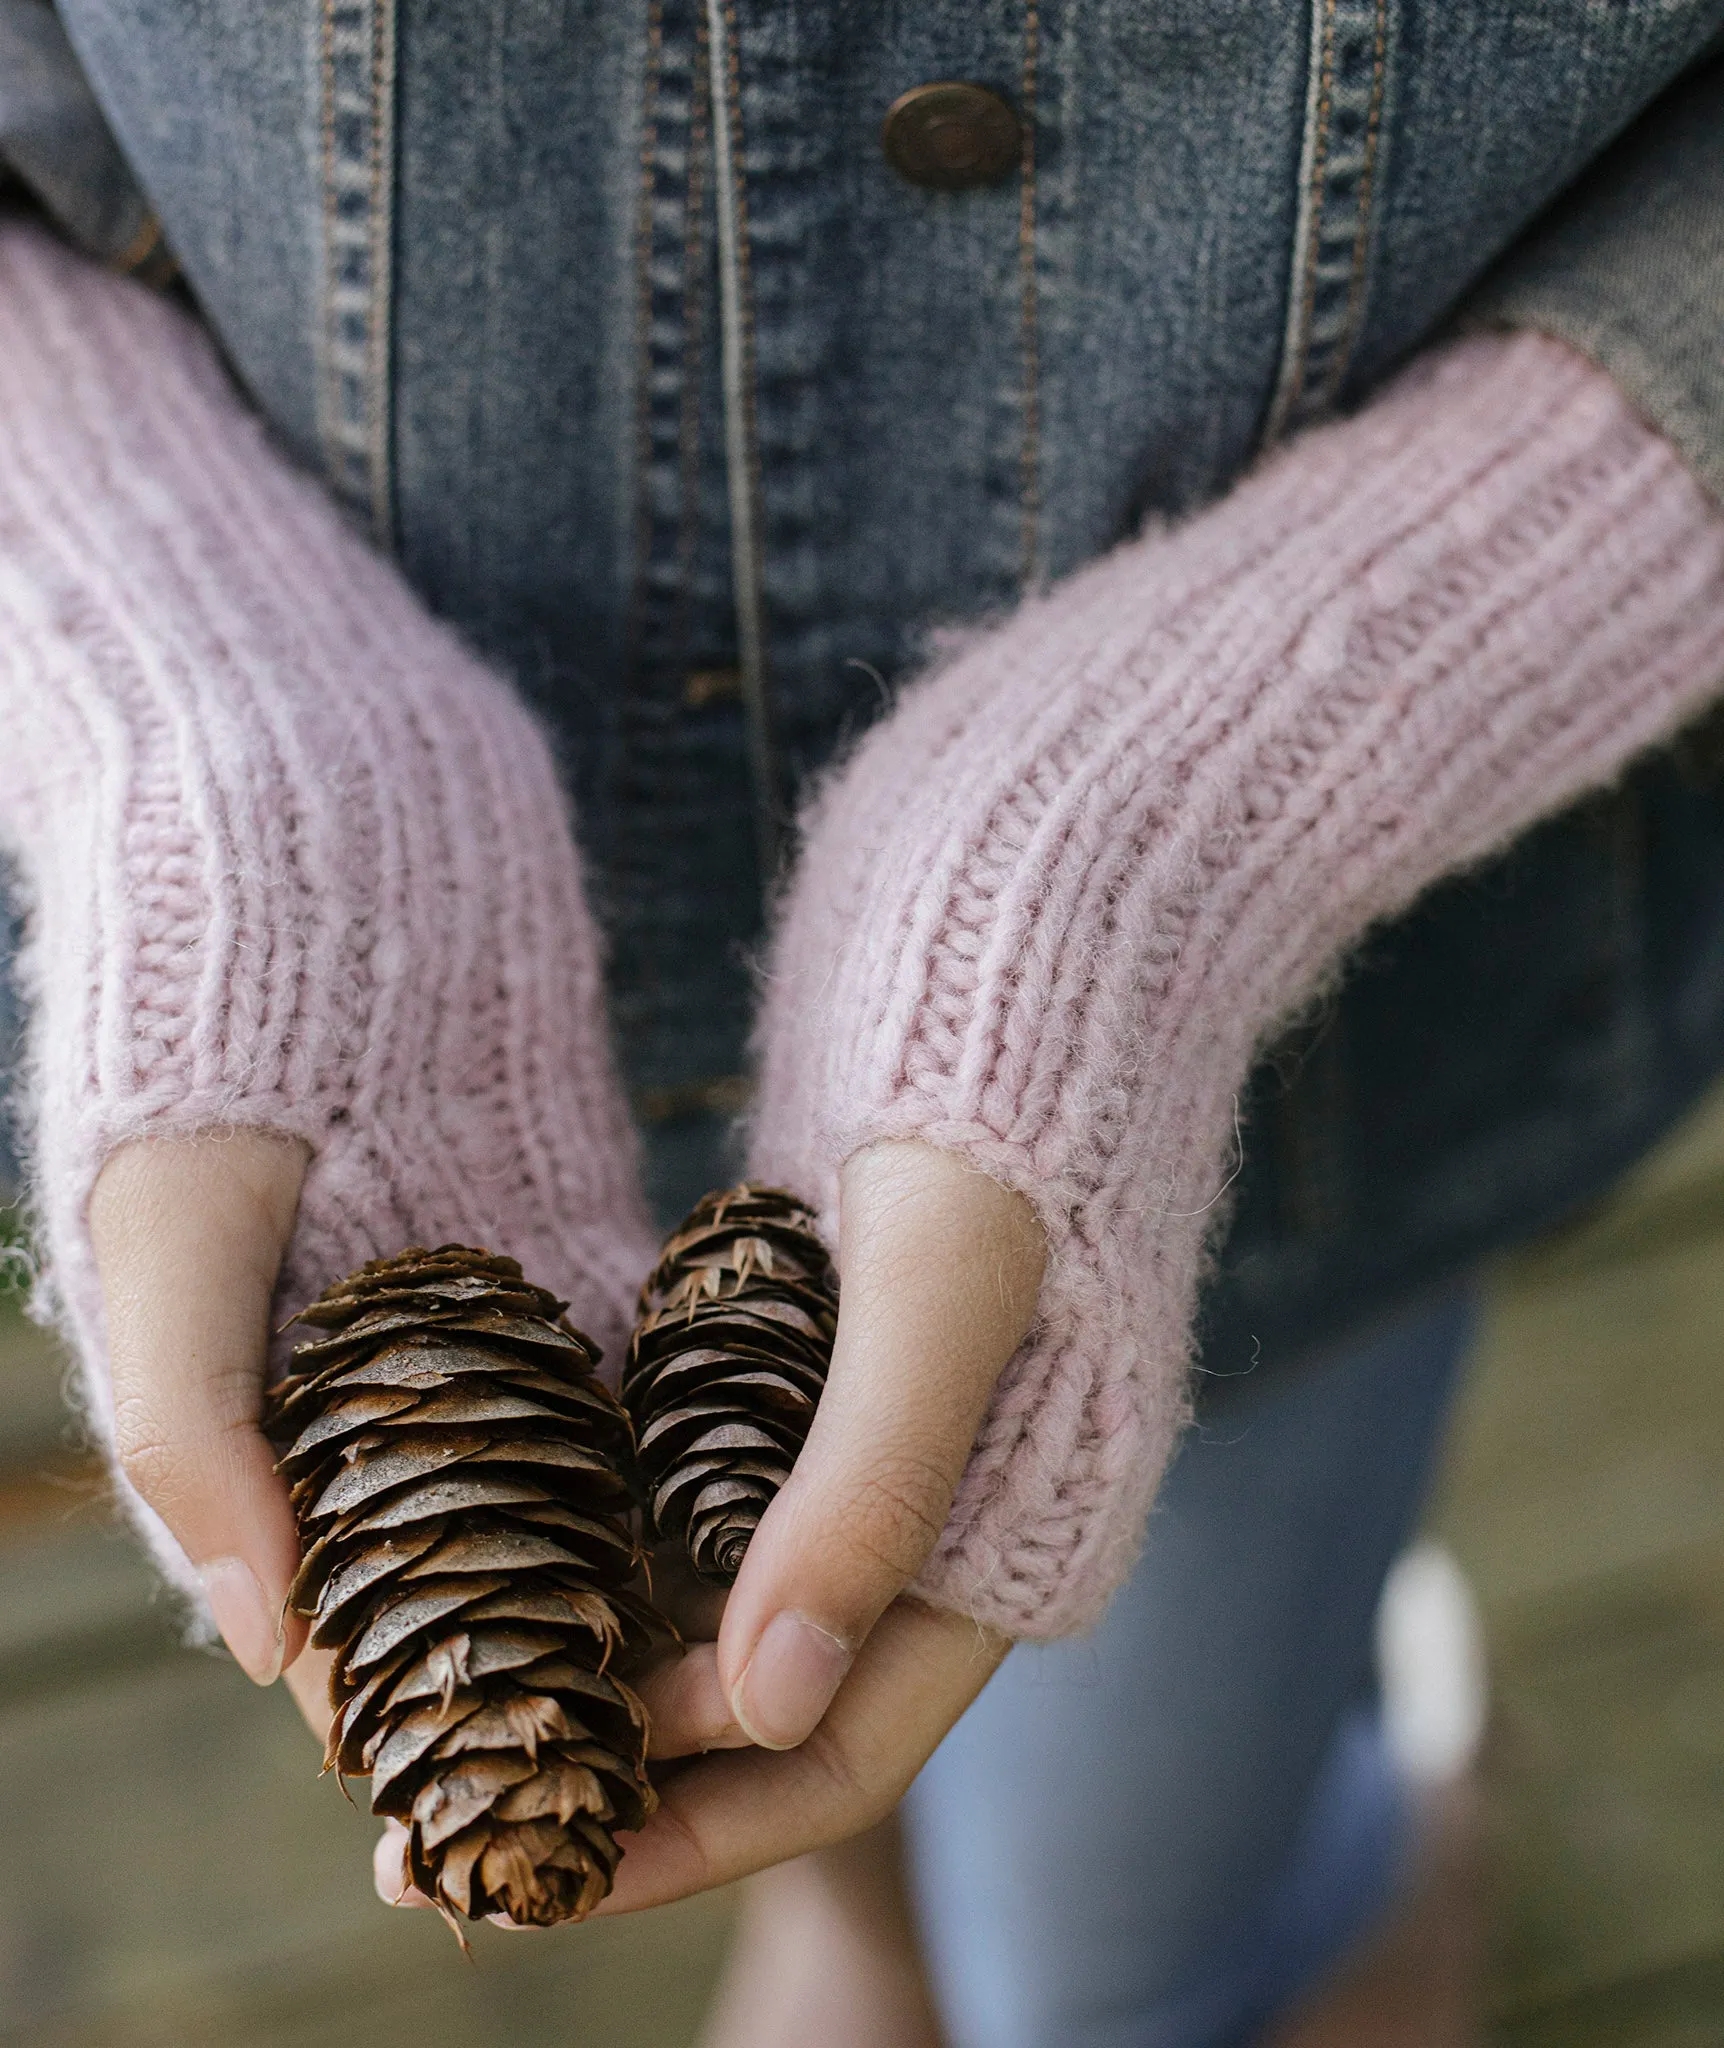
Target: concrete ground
{"points": [[175, 1874]]}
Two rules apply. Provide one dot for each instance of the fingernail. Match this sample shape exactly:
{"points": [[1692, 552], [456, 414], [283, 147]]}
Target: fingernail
{"points": [[249, 1626], [788, 1683]]}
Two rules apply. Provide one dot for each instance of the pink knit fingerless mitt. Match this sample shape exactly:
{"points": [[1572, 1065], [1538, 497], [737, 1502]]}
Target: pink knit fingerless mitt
{"points": [[293, 857], [1057, 902]]}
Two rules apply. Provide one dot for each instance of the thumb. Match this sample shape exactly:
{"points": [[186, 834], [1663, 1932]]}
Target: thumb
{"points": [[941, 1267], [189, 1235]]}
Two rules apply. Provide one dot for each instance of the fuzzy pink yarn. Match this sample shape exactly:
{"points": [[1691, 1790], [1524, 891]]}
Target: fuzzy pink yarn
{"points": [[293, 857], [1053, 907]]}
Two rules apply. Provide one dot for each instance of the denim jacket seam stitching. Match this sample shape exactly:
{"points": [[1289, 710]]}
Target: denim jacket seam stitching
{"points": [[379, 392], [355, 397], [744, 264], [1319, 208], [1291, 382], [694, 328], [327, 396], [748, 491], [1029, 461], [647, 174], [1366, 203]]}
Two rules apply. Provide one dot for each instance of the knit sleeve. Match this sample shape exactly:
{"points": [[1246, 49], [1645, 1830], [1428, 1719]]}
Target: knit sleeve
{"points": [[292, 857], [1056, 903]]}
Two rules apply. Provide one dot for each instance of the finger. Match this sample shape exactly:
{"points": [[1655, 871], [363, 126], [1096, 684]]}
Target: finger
{"points": [[724, 1816], [389, 1869], [189, 1236], [940, 1271], [688, 1710], [307, 1678]]}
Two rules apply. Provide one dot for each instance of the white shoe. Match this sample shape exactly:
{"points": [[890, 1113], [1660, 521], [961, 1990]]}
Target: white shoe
{"points": [[1431, 1666]]}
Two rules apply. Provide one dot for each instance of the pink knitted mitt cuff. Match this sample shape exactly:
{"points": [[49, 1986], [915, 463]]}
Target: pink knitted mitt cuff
{"points": [[293, 857], [1057, 902]]}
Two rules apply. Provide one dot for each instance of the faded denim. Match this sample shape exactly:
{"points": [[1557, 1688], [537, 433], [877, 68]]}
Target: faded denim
{"points": [[468, 261], [1160, 1835]]}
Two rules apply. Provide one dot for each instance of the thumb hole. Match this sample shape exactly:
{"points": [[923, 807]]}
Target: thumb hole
{"points": [[189, 1235]]}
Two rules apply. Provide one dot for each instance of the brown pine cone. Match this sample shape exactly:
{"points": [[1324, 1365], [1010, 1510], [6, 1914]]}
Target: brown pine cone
{"points": [[726, 1365], [457, 1471]]}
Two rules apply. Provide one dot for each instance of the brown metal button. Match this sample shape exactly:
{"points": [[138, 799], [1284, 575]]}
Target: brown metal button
{"points": [[951, 136]]}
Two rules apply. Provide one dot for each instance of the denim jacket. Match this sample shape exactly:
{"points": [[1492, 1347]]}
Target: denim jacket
{"points": [[612, 320]]}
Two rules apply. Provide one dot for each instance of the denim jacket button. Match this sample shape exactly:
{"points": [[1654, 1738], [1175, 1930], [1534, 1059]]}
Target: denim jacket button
{"points": [[951, 136]]}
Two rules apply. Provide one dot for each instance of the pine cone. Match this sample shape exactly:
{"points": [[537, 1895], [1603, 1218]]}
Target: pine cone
{"points": [[457, 1473], [726, 1365]]}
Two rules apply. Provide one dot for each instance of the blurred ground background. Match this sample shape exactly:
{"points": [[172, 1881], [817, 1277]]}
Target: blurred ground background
{"points": [[176, 1877], [1584, 1493]]}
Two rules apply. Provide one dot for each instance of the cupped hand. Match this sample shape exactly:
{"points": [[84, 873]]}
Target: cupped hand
{"points": [[840, 1683], [827, 1687], [189, 1236]]}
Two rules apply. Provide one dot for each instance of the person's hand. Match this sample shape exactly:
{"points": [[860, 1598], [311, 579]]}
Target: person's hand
{"points": [[941, 1268], [828, 1687], [841, 1683], [189, 1236]]}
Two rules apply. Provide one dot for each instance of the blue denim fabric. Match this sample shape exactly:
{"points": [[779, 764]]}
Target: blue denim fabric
{"points": [[54, 140], [1159, 1836], [469, 262], [1490, 1062]]}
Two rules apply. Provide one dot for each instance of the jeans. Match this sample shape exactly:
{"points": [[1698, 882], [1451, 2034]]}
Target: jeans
{"points": [[1157, 1837]]}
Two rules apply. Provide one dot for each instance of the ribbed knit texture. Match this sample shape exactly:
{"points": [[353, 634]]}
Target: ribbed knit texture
{"points": [[1057, 902], [293, 857]]}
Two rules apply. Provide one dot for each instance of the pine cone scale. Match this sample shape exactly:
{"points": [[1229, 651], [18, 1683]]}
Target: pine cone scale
{"points": [[353, 1581], [455, 1799], [442, 1497], [412, 1615], [375, 1466]]}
